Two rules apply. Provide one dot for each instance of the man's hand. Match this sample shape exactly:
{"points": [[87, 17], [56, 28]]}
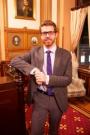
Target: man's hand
{"points": [[34, 71], [40, 77]]}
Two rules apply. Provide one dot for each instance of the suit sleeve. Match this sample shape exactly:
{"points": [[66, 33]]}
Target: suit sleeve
{"points": [[23, 63]]}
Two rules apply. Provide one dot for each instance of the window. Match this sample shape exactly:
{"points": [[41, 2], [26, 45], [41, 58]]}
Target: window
{"points": [[84, 49]]}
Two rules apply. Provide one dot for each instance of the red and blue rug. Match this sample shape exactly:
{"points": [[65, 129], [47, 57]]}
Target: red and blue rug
{"points": [[72, 123]]}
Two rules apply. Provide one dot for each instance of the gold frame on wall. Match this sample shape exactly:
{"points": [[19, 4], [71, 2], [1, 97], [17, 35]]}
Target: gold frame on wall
{"points": [[25, 9]]}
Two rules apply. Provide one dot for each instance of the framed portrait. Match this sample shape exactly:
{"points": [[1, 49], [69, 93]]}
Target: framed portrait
{"points": [[25, 9]]}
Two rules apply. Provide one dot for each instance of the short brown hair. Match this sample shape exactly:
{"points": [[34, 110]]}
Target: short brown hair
{"points": [[49, 23]]}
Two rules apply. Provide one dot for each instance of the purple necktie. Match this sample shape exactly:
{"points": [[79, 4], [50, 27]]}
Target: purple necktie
{"points": [[49, 70], [49, 65]]}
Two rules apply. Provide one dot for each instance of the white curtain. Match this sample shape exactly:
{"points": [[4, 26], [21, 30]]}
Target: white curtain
{"points": [[77, 22], [89, 23], [76, 88]]}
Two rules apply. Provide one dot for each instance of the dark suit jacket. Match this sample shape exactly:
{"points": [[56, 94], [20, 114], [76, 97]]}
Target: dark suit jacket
{"points": [[61, 77]]}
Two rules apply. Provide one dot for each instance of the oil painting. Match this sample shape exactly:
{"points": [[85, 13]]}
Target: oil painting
{"points": [[24, 9]]}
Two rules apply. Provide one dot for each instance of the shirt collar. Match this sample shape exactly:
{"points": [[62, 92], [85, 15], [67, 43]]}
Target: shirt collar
{"points": [[52, 48]]}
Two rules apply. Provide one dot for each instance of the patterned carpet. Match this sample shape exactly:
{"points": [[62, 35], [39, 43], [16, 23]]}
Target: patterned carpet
{"points": [[73, 122]]}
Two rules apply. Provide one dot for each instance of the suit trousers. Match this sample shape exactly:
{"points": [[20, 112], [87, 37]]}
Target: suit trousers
{"points": [[45, 106]]}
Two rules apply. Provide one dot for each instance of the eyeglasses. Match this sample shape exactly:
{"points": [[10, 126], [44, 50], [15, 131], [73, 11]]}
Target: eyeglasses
{"points": [[50, 33]]}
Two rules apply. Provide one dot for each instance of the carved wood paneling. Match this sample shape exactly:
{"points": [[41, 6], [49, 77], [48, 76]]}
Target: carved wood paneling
{"points": [[19, 41], [0, 45]]}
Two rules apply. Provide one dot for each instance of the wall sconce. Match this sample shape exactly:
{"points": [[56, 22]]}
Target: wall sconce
{"points": [[89, 61], [82, 58], [34, 40]]}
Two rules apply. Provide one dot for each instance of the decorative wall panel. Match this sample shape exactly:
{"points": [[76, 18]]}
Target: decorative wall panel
{"points": [[19, 41]]}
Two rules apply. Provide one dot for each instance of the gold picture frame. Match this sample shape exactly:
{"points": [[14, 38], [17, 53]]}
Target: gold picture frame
{"points": [[25, 9]]}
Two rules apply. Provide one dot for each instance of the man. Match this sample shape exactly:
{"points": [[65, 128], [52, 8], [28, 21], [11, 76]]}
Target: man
{"points": [[52, 73]]}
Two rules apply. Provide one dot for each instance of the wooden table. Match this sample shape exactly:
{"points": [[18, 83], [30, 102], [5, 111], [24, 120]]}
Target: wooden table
{"points": [[84, 73], [12, 114]]}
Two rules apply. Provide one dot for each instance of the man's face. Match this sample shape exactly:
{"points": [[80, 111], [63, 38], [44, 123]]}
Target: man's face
{"points": [[48, 35]]}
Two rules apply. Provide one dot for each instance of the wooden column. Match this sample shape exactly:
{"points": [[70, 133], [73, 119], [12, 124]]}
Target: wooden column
{"points": [[2, 23], [45, 10]]}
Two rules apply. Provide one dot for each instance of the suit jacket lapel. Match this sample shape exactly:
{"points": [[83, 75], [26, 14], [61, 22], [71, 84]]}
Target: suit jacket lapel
{"points": [[40, 59], [57, 60]]}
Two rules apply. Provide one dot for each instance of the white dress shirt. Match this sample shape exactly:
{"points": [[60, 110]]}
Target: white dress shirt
{"points": [[52, 54]]}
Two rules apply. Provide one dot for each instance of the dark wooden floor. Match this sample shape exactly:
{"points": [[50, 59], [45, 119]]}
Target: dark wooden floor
{"points": [[81, 103]]}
